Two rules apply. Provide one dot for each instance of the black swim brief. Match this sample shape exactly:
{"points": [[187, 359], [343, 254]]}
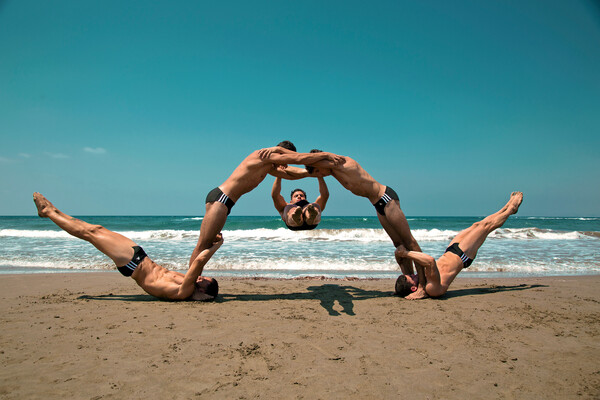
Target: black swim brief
{"points": [[456, 250], [304, 226], [138, 255], [388, 196], [217, 195]]}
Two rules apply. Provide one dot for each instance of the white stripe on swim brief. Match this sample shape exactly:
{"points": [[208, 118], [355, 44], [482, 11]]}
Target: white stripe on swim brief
{"points": [[131, 265], [223, 198]]}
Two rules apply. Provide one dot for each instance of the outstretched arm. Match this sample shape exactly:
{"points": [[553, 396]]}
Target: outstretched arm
{"points": [[279, 155], [188, 285], [278, 200], [323, 193], [420, 258], [290, 173]]}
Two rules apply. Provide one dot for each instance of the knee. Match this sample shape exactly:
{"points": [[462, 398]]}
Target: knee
{"points": [[91, 231]]}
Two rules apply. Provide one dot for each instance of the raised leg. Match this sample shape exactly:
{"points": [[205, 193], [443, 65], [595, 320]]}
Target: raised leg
{"points": [[294, 216], [471, 239], [212, 224], [116, 246], [312, 214], [396, 226]]}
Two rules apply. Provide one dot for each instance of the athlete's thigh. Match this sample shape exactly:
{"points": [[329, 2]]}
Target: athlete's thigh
{"points": [[471, 239], [389, 229], [397, 225], [212, 223], [116, 246]]}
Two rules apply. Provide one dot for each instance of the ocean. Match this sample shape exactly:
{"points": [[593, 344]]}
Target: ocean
{"points": [[339, 247]]}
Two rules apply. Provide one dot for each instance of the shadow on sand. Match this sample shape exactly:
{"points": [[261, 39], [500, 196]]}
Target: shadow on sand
{"points": [[121, 297], [327, 294], [487, 290]]}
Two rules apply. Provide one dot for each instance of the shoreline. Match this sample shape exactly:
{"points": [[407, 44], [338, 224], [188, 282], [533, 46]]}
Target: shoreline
{"points": [[6, 270], [98, 335]]}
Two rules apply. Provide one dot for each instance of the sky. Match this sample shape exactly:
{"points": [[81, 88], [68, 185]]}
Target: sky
{"points": [[142, 107]]}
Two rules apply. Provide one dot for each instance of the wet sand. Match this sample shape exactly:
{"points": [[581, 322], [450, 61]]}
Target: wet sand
{"points": [[99, 336]]}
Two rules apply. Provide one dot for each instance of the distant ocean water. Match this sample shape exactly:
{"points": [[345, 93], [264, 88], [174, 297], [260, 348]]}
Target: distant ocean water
{"points": [[339, 247]]}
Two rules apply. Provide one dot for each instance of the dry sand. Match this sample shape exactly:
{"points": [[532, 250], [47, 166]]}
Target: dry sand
{"points": [[98, 336]]}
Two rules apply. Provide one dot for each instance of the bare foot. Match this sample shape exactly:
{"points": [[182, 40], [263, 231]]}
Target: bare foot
{"points": [[417, 295], [43, 204], [516, 198], [313, 213], [297, 216]]}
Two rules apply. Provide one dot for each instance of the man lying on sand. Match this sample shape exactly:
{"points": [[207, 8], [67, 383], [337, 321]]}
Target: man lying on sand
{"points": [[299, 214], [131, 260], [385, 200], [460, 254], [249, 174]]}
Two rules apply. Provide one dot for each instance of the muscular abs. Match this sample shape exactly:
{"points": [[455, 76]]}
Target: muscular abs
{"points": [[156, 280]]}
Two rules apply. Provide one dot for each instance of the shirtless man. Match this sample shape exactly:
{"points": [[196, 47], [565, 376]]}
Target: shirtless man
{"points": [[385, 200], [131, 260], [249, 174], [460, 254], [299, 214]]}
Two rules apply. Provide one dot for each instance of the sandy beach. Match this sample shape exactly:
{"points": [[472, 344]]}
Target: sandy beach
{"points": [[98, 336]]}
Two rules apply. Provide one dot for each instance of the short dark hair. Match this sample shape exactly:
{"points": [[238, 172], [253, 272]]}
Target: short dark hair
{"points": [[403, 286], [310, 168], [286, 144], [297, 190], [213, 288]]}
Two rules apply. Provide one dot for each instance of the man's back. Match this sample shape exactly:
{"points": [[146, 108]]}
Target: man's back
{"points": [[248, 175], [354, 178]]}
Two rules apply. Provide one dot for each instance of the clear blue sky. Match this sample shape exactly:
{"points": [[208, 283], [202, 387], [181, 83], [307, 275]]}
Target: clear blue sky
{"points": [[142, 107]]}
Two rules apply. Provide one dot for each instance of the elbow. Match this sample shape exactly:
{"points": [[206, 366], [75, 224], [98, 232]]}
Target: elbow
{"points": [[430, 262]]}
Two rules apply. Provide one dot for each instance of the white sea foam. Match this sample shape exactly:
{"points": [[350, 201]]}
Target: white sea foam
{"points": [[316, 265], [534, 268], [321, 266], [32, 233], [161, 234], [59, 264], [334, 235]]}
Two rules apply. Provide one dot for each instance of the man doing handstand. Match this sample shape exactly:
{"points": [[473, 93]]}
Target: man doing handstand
{"points": [[299, 214], [249, 174], [385, 200], [131, 260], [460, 254]]}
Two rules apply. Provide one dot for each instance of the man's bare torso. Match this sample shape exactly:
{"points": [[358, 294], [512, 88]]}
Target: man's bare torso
{"points": [[157, 280]]}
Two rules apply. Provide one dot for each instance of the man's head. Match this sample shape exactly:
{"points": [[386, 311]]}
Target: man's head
{"points": [[316, 170], [406, 284], [286, 144], [297, 195], [206, 289]]}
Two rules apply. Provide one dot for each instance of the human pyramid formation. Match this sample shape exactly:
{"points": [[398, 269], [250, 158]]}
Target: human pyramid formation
{"points": [[432, 278]]}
